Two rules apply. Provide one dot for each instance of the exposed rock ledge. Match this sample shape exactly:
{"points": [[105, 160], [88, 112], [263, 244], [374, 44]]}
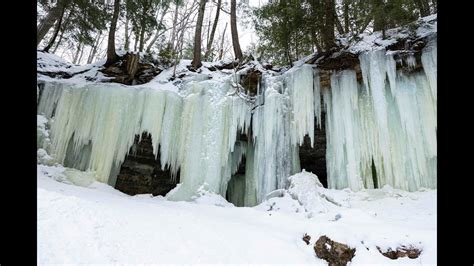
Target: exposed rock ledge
{"points": [[402, 43]]}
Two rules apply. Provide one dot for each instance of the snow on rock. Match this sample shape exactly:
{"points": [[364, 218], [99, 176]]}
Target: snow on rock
{"points": [[66, 175], [310, 193], [421, 28], [51, 62], [206, 197], [283, 203]]}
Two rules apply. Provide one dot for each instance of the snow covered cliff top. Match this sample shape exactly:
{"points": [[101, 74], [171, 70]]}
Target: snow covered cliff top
{"points": [[421, 28]]}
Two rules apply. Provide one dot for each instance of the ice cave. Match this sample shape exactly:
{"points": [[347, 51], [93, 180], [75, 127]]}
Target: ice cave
{"points": [[365, 131]]}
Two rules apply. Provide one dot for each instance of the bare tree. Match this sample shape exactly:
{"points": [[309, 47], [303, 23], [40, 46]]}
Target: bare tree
{"points": [[213, 31], [233, 29], [78, 51], [222, 43], [56, 30], [346, 15], [159, 31], [196, 63], [175, 22], [111, 54], [127, 34], [63, 29], [53, 15], [97, 43]]}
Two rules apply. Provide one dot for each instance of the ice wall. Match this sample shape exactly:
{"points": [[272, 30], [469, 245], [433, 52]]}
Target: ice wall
{"points": [[195, 131], [389, 119]]}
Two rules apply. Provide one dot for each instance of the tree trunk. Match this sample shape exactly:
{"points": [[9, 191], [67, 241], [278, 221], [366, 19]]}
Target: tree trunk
{"points": [[196, 63], [367, 21], [49, 20], [111, 54], [175, 22], [94, 48], [233, 29], [315, 41], [80, 56], [56, 31], [208, 30], [142, 38], [288, 55], [423, 7], [64, 25], [339, 27], [59, 41], [378, 10], [328, 28], [213, 31], [346, 16], [127, 36], [222, 43], [137, 37], [158, 31], [78, 51], [131, 66]]}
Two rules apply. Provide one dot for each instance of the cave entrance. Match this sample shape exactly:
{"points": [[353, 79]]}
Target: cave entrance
{"points": [[236, 186], [141, 173], [314, 159]]}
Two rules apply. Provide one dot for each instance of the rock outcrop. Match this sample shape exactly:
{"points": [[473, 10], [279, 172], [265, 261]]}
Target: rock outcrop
{"points": [[335, 253]]}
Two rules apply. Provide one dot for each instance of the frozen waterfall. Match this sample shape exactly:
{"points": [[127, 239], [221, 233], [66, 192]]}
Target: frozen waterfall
{"points": [[386, 122]]}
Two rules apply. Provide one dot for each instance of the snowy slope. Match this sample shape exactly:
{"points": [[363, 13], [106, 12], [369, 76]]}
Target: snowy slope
{"points": [[98, 224]]}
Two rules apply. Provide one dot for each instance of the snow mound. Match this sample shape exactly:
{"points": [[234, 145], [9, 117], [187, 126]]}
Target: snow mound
{"points": [[284, 203], [306, 188], [51, 62], [66, 175], [307, 195], [206, 197]]}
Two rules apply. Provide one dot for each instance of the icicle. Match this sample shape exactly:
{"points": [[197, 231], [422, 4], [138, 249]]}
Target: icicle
{"points": [[95, 126], [342, 128], [429, 59], [50, 96], [301, 92], [317, 97], [391, 66], [410, 61], [390, 125]]}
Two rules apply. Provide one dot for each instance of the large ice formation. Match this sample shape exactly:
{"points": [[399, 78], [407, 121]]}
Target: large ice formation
{"points": [[387, 122]]}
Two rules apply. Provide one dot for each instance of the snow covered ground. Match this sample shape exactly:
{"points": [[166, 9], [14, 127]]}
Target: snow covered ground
{"points": [[98, 224]]}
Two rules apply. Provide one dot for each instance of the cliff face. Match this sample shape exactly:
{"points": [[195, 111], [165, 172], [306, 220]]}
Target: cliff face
{"points": [[141, 173], [404, 43]]}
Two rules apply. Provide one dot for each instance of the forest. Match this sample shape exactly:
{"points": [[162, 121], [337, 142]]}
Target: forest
{"points": [[84, 31]]}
